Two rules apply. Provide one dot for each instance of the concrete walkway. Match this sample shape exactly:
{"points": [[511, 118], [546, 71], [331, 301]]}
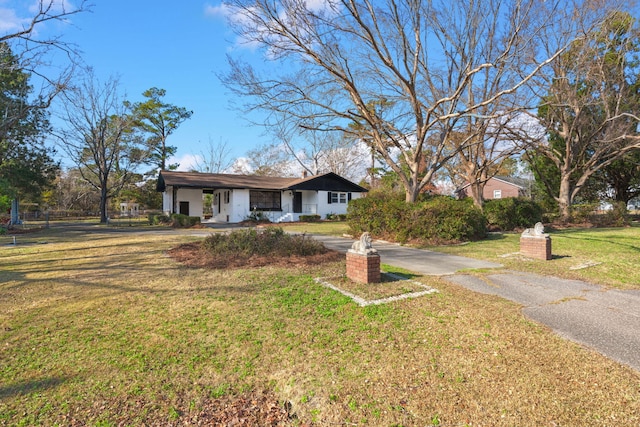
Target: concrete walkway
{"points": [[605, 320]]}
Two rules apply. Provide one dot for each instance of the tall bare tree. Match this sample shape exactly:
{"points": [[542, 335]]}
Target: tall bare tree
{"points": [[592, 109], [98, 137], [315, 151], [427, 58], [216, 158]]}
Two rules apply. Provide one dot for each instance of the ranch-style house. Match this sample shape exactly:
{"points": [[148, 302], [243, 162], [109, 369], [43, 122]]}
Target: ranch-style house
{"points": [[236, 197]]}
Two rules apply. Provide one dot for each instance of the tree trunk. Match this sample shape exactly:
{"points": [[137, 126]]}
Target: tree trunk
{"points": [[564, 198], [477, 188], [103, 205], [412, 193]]}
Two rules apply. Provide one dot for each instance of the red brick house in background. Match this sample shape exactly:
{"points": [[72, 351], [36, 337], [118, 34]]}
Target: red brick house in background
{"points": [[499, 187]]}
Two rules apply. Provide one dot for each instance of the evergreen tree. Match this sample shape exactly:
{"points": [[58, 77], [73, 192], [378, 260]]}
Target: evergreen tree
{"points": [[26, 165]]}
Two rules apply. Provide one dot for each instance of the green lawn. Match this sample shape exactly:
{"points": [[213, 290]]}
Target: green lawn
{"points": [[103, 329]]}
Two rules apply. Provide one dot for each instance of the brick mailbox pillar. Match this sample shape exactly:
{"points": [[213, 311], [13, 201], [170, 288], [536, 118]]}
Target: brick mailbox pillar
{"points": [[363, 262], [534, 243], [363, 268]]}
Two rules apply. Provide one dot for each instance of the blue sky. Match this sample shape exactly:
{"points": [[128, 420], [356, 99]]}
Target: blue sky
{"points": [[176, 46]]}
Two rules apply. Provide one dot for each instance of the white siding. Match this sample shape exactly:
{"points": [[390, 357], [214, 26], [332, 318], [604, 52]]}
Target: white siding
{"points": [[167, 200], [324, 207], [194, 197]]}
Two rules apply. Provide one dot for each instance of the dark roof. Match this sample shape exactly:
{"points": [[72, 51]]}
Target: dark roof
{"points": [[328, 181]]}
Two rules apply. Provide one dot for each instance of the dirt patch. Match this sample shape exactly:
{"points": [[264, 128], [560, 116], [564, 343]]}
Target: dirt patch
{"points": [[193, 255]]}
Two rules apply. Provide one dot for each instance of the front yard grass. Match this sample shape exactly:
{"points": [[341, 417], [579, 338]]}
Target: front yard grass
{"points": [[104, 329]]}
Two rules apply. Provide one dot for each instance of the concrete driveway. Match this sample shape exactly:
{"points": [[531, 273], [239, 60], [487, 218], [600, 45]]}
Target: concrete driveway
{"points": [[605, 320]]}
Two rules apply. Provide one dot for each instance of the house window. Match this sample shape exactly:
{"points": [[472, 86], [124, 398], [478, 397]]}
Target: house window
{"points": [[265, 200], [227, 197], [338, 197], [497, 194]]}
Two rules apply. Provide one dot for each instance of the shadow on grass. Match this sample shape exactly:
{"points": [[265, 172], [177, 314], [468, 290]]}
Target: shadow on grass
{"points": [[26, 387], [608, 240]]}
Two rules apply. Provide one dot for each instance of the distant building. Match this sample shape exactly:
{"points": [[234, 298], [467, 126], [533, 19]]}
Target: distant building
{"points": [[499, 187]]}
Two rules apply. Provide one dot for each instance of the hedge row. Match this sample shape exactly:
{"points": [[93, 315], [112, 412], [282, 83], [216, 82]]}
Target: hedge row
{"points": [[438, 219], [512, 213]]}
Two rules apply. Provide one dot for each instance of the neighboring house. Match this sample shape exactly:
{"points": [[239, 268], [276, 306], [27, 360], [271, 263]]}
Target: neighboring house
{"points": [[499, 187], [236, 197]]}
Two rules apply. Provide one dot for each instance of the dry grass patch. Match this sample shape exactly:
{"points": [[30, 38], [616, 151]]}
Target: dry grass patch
{"points": [[104, 329]]}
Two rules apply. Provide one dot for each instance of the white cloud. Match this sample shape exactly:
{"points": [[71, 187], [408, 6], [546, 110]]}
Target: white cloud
{"points": [[10, 22], [187, 162], [15, 17], [220, 11]]}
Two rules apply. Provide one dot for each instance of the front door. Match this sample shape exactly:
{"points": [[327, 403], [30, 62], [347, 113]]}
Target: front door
{"points": [[297, 202], [184, 208]]}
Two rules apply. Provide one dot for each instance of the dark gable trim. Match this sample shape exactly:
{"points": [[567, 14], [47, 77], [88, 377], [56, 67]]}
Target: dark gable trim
{"points": [[328, 182]]}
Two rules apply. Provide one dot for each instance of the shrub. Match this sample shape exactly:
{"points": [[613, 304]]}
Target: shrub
{"points": [[184, 221], [617, 216], [511, 213], [378, 214], [157, 219], [434, 220], [310, 218], [258, 216], [271, 241]]}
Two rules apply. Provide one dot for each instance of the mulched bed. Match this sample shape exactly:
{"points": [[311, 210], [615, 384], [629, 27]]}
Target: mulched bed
{"points": [[192, 255]]}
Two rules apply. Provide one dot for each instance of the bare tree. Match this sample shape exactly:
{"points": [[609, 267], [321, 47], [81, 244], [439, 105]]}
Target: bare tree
{"points": [[216, 158], [36, 52], [592, 108], [266, 160], [316, 151], [426, 58], [97, 137]]}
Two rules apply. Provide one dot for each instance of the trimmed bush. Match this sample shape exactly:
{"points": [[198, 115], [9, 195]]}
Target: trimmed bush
{"points": [[184, 221], [437, 219], [158, 219], [310, 218], [336, 217], [270, 241], [512, 213]]}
